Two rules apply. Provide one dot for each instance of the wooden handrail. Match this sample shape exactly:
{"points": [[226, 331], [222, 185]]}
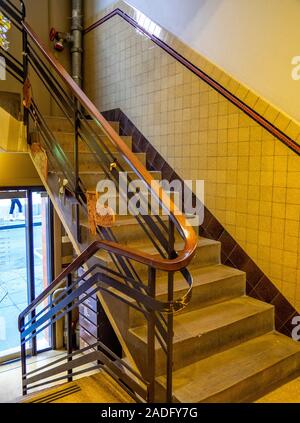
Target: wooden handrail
{"points": [[185, 229]]}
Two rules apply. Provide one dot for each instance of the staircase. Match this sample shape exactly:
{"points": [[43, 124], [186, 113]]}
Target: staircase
{"points": [[188, 331], [222, 332]]}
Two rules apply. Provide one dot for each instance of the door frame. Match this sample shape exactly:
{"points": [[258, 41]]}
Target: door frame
{"points": [[33, 351]]}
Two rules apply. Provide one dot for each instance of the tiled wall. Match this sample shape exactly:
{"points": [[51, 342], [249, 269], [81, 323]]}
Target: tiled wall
{"points": [[252, 180], [258, 285]]}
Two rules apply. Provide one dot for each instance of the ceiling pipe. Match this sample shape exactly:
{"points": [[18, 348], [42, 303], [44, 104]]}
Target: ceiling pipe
{"points": [[74, 39], [77, 44]]}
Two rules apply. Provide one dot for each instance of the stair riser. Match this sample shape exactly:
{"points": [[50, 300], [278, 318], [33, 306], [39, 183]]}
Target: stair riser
{"points": [[207, 256], [91, 181], [66, 140], [88, 162], [127, 233], [63, 125], [196, 348], [203, 295]]}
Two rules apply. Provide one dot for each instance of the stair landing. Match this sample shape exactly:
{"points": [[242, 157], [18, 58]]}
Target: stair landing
{"points": [[99, 388]]}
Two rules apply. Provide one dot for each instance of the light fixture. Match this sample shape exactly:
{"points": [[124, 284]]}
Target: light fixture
{"points": [[5, 26]]}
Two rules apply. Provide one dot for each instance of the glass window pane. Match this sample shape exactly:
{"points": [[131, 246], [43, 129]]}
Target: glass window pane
{"points": [[13, 270], [42, 248]]}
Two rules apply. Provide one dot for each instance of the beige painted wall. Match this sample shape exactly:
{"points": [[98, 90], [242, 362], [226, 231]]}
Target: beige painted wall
{"points": [[254, 41], [17, 169], [12, 133]]}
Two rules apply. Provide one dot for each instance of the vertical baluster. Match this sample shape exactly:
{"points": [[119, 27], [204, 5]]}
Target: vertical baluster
{"points": [[25, 66], [151, 337], [23, 358], [69, 327], [169, 392], [76, 165]]}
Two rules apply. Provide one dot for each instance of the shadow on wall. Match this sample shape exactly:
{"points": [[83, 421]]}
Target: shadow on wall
{"points": [[11, 103]]}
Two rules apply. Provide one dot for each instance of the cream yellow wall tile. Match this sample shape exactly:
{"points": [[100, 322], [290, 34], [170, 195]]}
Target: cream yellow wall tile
{"points": [[282, 122], [264, 238], [233, 86], [293, 179], [293, 212], [289, 259], [290, 243], [241, 92], [250, 99], [261, 106], [267, 178], [293, 130], [279, 195], [280, 179], [278, 240], [265, 208], [271, 114], [293, 196], [275, 271], [292, 228], [278, 210], [293, 163]]}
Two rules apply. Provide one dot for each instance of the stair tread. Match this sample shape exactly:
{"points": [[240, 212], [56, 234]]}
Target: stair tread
{"points": [[150, 249], [121, 220], [201, 276], [195, 323], [201, 380]]}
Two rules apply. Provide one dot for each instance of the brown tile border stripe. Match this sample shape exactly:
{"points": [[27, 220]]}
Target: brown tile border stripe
{"points": [[290, 143], [259, 286]]}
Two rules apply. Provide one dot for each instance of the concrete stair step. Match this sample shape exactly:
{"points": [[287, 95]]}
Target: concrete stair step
{"points": [[208, 330], [66, 141], [240, 374], [207, 254], [211, 285], [62, 124], [91, 179], [126, 229]]}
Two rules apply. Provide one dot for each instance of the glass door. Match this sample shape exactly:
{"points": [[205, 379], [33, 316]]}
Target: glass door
{"points": [[25, 263], [42, 254], [13, 268]]}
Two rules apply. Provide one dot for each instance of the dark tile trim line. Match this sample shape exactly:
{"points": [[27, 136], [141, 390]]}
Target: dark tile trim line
{"points": [[258, 286], [281, 136]]}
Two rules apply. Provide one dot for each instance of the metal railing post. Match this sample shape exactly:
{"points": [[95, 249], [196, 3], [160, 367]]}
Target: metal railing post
{"points": [[69, 327], [76, 166], [23, 358], [169, 391], [25, 53], [151, 337]]}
